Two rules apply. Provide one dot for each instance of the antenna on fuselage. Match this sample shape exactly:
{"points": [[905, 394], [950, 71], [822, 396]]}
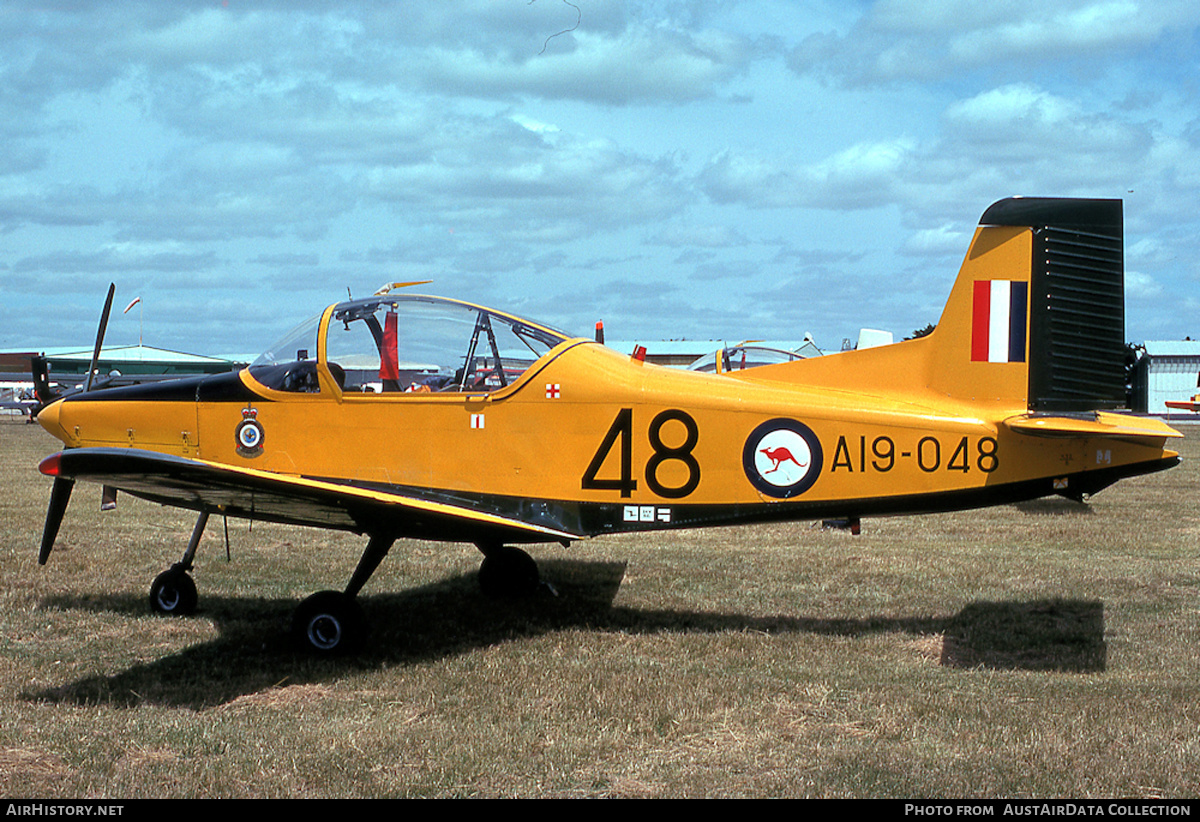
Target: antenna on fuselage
{"points": [[387, 288]]}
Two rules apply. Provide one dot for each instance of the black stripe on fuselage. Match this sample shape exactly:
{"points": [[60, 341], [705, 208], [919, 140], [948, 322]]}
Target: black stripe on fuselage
{"points": [[210, 388], [595, 519]]}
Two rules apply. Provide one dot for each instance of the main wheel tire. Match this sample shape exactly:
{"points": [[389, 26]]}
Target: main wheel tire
{"points": [[508, 572], [173, 593], [329, 623]]}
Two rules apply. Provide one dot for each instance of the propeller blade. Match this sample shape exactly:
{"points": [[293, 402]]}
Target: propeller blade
{"points": [[112, 287], [60, 495], [41, 383]]}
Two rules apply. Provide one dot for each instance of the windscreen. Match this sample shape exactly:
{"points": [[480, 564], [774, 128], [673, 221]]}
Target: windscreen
{"points": [[298, 344], [290, 364]]}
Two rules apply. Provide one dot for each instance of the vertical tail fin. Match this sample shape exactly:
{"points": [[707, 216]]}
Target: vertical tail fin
{"points": [[1038, 310]]}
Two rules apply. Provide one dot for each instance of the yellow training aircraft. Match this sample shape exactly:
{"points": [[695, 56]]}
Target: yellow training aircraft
{"points": [[401, 416]]}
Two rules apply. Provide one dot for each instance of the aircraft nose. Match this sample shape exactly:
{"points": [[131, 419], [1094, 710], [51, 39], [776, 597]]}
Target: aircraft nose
{"points": [[48, 418]]}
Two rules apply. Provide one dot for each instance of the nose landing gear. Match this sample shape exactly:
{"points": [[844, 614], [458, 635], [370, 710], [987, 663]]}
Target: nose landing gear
{"points": [[173, 592]]}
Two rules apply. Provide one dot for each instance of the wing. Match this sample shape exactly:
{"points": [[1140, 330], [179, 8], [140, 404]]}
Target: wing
{"points": [[262, 495]]}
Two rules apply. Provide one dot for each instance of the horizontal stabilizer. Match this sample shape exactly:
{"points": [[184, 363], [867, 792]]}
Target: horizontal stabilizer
{"points": [[1118, 426]]}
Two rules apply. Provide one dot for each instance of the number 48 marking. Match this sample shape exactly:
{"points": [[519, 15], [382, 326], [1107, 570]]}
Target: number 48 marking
{"points": [[620, 435]]}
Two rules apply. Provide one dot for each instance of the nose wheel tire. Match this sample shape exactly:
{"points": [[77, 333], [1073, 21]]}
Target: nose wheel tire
{"points": [[328, 623], [173, 593]]}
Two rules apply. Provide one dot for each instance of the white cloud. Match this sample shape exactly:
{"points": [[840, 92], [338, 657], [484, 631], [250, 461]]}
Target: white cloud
{"points": [[944, 239], [643, 64], [917, 40], [1092, 27], [1025, 123], [698, 236], [1139, 286], [860, 176]]}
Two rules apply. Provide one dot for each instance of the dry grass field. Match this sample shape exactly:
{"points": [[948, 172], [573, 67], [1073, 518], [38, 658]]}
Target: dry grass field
{"points": [[1042, 650]]}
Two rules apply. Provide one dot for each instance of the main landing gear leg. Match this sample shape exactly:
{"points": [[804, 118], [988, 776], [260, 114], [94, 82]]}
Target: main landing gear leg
{"points": [[507, 571], [173, 592], [331, 622]]}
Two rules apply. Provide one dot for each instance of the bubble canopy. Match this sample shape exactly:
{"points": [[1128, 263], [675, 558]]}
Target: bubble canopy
{"points": [[406, 343]]}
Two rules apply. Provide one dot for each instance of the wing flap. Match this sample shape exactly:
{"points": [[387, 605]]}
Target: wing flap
{"points": [[262, 495]]}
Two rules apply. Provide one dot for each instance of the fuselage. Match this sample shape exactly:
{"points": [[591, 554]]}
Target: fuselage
{"points": [[607, 443]]}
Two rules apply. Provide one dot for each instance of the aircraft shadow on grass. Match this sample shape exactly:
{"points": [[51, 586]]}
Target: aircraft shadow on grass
{"points": [[254, 651]]}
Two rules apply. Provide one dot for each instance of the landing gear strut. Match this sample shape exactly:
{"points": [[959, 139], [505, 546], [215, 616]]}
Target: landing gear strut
{"points": [[330, 623], [173, 592]]}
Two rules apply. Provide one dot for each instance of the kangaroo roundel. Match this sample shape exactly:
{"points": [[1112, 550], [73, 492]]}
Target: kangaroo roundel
{"points": [[782, 458]]}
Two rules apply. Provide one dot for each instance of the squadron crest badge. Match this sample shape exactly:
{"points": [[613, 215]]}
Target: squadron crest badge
{"points": [[249, 433]]}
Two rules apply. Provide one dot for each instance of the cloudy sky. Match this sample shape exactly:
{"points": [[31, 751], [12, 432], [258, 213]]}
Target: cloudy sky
{"points": [[681, 168]]}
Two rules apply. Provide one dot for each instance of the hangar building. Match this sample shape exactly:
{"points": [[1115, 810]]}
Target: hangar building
{"points": [[1167, 370]]}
